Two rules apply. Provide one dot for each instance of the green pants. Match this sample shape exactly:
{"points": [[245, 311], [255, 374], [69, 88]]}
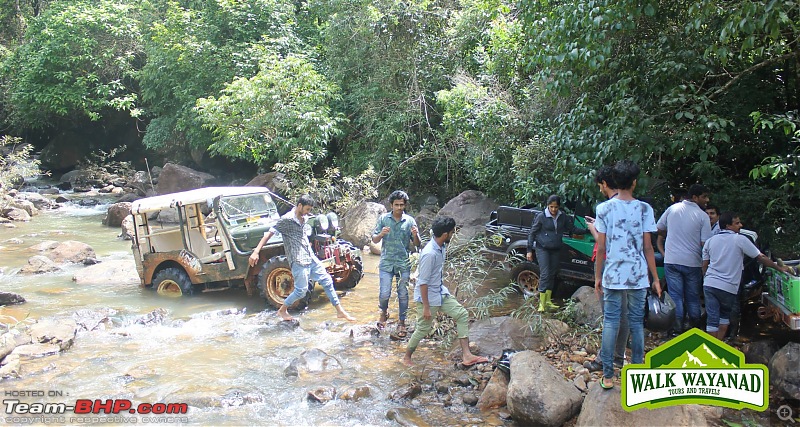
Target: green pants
{"points": [[450, 307]]}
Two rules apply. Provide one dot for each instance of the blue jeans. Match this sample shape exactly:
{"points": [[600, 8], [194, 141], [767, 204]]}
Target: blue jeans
{"points": [[684, 285], [612, 310], [623, 333], [386, 278], [316, 272], [548, 261], [718, 307]]}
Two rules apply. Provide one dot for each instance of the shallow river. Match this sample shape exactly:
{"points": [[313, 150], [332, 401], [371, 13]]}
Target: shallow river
{"points": [[228, 367]]}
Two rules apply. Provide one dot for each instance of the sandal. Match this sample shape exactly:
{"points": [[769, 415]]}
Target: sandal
{"points": [[401, 331], [383, 319], [603, 384]]}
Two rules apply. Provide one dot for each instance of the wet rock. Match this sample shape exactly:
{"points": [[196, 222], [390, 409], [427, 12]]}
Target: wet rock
{"points": [[90, 320], [494, 395], [321, 394], [50, 191], [784, 370], [116, 272], [174, 178], [129, 197], [14, 241], [442, 389], [39, 264], [26, 206], [588, 309], [66, 251], [495, 334], [62, 199], [127, 231], [505, 415], [139, 372], [16, 214], [310, 362], [538, 393], [469, 399], [359, 222], [363, 333], [35, 350], [155, 317], [470, 210], [10, 298], [760, 351], [38, 200], [463, 380], [86, 202], [60, 332], [13, 339], [602, 408], [406, 417], [356, 393], [10, 367], [408, 391], [116, 213], [238, 398]]}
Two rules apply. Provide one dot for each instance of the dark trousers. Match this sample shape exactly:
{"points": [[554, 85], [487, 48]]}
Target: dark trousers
{"points": [[548, 261]]}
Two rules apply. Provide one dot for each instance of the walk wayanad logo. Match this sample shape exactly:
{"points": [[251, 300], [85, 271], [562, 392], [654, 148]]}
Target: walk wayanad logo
{"points": [[695, 368]]}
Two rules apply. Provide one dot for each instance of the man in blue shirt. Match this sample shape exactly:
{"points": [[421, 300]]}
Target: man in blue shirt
{"points": [[396, 230], [431, 296]]}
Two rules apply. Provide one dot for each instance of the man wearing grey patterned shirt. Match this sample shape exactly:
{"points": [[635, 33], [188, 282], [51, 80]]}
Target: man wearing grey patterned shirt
{"points": [[305, 265]]}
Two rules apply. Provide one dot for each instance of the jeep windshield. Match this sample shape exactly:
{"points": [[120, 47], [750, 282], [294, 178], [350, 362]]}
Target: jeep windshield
{"points": [[249, 207]]}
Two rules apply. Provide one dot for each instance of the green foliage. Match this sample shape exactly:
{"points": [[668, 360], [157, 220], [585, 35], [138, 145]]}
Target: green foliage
{"points": [[194, 48], [77, 60], [263, 118], [101, 164], [16, 163]]}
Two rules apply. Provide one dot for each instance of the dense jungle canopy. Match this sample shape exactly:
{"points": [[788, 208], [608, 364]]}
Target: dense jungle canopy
{"points": [[516, 99]]}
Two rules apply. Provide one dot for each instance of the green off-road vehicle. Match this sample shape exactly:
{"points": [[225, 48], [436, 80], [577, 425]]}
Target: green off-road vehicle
{"points": [[191, 253], [507, 240]]}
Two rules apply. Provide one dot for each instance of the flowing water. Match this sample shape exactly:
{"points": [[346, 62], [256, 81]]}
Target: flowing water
{"points": [[221, 352]]}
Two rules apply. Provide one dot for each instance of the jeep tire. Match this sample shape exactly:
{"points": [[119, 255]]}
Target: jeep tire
{"points": [[276, 283], [349, 278], [525, 276], [172, 282]]}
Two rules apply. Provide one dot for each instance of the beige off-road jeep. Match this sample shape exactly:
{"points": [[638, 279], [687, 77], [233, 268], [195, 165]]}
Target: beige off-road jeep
{"points": [[200, 240]]}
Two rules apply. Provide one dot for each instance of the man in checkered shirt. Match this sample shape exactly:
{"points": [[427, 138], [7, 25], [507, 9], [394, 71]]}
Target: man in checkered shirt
{"points": [[305, 265]]}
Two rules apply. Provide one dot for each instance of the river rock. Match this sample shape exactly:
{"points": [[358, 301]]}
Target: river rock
{"points": [[10, 367], [35, 350], [16, 214], [127, 228], [760, 351], [109, 272], [471, 210], [239, 398], [356, 393], [375, 248], [495, 334], [406, 417], [538, 393], [61, 199], [116, 213], [155, 317], [784, 370], [174, 178], [312, 361], [275, 181], [37, 199], [603, 408], [26, 206], [12, 339], [90, 320], [494, 395], [60, 332], [10, 298], [408, 391], [359, 222], [588, 309], [321, 394], [66, 251], [424, 220], [469, 399], [39, 264]]}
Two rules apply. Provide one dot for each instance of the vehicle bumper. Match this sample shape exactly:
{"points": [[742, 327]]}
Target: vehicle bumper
{"points": [[778, 311]]}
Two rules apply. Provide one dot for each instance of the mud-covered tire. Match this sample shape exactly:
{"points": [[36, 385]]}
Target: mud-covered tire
{"points": [[172, 282], [525, 276], [350, 278], [276, 283]]}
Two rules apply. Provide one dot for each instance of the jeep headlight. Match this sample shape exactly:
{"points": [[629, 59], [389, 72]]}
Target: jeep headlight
{"points": [[334, 222], [322, 222]]}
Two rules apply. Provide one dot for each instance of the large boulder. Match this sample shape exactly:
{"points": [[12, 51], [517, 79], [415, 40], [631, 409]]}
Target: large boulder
{"points": [[10, 298], [784, 370], [272, 180], [312, 362], [39, 202], [174, 178], [111, 272], [471, 210], [39, 264], [359, 222], [604, 408], [116, 213], [16, 214], [495, 334], [588, 309], [12, 339], [66, 251], [60, 332], [538, 394]]}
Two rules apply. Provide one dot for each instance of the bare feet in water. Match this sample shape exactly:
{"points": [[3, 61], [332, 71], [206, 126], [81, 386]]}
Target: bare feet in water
{"points": [[283, 314], [340, 313], [407, 361]]}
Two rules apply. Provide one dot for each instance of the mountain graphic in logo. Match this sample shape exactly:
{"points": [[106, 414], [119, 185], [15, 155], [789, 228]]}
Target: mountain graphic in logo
{"points": [[701, 357]]}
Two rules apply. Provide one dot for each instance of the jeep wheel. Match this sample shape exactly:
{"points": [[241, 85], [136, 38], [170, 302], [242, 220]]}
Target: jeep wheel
{"points": [[349, 278], [526, 278], [172, 282], [276, 283]]}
